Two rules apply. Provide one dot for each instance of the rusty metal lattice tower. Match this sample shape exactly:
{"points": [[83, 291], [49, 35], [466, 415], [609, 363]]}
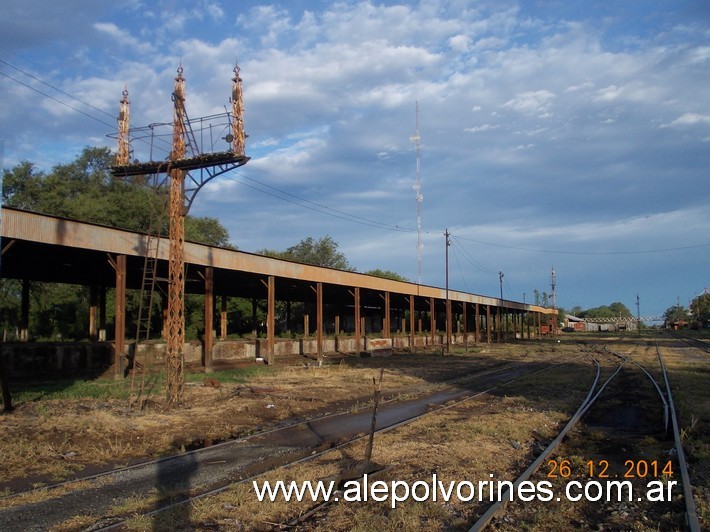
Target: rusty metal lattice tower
{"points": [[175, 357], [187, 168], [123, 155], [238, 135]]}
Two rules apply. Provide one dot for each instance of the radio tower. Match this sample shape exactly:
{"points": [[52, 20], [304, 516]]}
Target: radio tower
{"points": [[553, 284], [417, 188]]}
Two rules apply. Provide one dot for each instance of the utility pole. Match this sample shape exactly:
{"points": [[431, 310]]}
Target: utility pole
{"points": [[638, 313], [553, 285], [500, 278], [448, 303]]}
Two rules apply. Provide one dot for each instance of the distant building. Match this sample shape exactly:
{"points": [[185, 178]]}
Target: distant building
{"points": [[573, 323]]}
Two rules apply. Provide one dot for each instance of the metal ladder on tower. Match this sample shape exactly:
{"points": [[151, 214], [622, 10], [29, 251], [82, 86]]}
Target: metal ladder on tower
{"points": [[146, 299]]}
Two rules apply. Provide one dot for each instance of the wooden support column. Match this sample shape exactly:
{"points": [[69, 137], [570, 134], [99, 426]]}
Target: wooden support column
{"points": [[488, 324], [93, 313], [387, 323], [527, 319], [465, 326], [432, 320], [358, 331], [337, 325], [119, 265], [515, 325], [498, 325], [270, 320], [538, 315], [209, 318], [476, 325], [448, 325], [411, 322], [319, 321], [223, 319]]}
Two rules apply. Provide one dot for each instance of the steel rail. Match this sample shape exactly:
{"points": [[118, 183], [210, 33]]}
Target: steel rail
{"points": [[451, 404], [690, 512], [655, 384], [502, 501], [692, 342], [420, 391]]}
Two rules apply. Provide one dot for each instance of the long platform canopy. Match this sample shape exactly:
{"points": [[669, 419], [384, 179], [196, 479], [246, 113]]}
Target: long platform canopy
{"points": [[45, 248]]}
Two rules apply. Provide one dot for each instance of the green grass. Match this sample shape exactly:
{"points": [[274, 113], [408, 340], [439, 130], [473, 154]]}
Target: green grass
{"points": [[231, 375], [106, 389], [70, 389]]}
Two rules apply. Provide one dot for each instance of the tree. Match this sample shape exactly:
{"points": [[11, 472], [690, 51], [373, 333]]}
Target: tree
{"points": [[619, 309], [322, 252], [206, 231], [675, 314], [85, 190], [387, 274], [700, 307]]}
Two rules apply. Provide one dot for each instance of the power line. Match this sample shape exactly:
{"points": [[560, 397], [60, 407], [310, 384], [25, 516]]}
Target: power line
{"points": [[56, 88], [561, 252], [469, 258], [458, 263], [297, 200], [56, 100], [316, 207]]}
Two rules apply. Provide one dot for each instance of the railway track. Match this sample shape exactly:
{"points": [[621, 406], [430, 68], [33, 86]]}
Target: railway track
{"points": [[696, 343], [616, 427], [622, 454], [198, 474], [314, 516]]}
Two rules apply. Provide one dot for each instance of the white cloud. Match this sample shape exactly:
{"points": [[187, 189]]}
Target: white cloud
{"points": [[122, 37], [481, 128], [689, 119], [577, 128], [538, 102]]}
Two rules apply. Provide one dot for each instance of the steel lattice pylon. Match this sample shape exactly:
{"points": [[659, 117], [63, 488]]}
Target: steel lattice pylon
{"points": [[176, 270], [186, 174]]}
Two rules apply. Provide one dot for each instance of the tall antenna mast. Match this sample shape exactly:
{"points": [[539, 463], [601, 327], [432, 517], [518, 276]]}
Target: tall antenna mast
{"points": [[417, 188]]}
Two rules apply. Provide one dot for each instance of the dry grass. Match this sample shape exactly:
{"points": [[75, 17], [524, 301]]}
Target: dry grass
{"points": [[494, 434], [48, 440], [470, 441]]}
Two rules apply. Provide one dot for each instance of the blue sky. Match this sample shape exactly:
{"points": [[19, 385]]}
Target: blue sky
{"points": [[554, 134]]}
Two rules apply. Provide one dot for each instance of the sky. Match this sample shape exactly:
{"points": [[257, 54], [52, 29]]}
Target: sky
{"points": [[560, 135]]}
